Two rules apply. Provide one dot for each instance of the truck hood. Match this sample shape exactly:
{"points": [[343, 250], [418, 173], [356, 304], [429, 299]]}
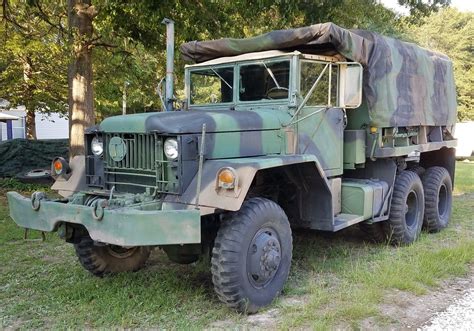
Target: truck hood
{"points": [[179, 122]]}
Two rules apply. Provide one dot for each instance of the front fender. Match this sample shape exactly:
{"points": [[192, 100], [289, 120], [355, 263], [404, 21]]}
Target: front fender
{"points": [[246, 168]]}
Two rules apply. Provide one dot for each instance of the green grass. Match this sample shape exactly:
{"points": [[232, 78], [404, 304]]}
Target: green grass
{"points": [[339, 279]]}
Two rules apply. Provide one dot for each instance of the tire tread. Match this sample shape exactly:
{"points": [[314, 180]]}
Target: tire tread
{"points": [[227, 247]]}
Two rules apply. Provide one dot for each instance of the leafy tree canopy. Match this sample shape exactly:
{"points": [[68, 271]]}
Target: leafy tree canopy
{"points": [[31, 60], [129, 41]]}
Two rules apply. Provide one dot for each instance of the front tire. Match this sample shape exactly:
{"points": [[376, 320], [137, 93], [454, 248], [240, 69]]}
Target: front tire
{"points": [[251, 257], [110, 259], [438, 198], [407, 209]]}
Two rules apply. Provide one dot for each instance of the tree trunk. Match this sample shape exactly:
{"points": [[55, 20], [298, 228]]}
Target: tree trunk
{"points": [[80, 95], [30, 123]]}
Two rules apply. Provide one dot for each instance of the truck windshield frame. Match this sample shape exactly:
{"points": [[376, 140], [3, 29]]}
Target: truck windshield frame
{"points": [[223, 82], [211, 85]]}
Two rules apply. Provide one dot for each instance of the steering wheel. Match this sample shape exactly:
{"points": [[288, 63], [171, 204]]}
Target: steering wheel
{"points": [[276, 90]]}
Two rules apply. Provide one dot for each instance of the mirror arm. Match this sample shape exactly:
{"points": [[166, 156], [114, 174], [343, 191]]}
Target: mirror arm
{"points": [[317, 111]]}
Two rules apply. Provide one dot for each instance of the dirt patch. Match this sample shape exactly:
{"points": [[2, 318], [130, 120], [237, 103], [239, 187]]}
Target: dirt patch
{"points": [[399, 311], [267, 319], [404, 310], [15, 325]]}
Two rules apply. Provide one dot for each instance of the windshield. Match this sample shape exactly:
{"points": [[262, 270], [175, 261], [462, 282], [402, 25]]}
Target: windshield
{"points": [[266, 80], [212, 85]]}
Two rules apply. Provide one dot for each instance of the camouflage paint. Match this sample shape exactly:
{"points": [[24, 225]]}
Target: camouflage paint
{"points": [[180, 122], [246, 168], [321, 135]]}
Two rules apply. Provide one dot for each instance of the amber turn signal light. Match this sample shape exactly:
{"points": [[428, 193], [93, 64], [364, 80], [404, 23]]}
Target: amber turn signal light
{"points": [[227, 178], [59, 167]]}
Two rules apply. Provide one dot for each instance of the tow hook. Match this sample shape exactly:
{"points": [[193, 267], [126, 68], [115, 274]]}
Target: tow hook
{"points": [[36, 198], [98, 207]]}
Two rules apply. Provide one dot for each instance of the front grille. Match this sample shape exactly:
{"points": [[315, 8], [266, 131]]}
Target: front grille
{"points": [[143, 165], [141, 151]]}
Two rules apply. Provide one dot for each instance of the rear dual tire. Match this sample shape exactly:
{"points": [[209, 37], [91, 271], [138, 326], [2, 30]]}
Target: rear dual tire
{"points": [[438, 198], [407, 209], [415, 204]]}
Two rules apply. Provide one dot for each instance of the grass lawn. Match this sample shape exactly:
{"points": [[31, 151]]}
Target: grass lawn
{"points": [[338, 279]]}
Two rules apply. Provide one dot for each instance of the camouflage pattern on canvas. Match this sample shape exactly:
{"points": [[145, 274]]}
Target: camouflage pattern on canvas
{"points": [[404, 85]]}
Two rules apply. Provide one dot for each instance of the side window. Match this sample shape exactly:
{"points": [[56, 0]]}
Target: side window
{"points": [[212, 85], [310, 71]]}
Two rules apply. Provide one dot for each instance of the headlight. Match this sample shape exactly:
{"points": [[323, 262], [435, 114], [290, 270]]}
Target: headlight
{"points": [[97, 146], [171, 148]]}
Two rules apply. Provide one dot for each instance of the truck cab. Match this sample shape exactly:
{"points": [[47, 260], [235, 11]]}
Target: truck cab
{"points": [[295, 90]]}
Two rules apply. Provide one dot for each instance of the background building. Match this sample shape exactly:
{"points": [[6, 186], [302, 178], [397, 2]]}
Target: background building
{"points": [[48, 126]]}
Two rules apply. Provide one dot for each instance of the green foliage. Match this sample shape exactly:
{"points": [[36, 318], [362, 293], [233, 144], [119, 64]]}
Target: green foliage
{"points": [[12, 184], [133, 64], [141, 21], [34, 68], [129, 41], [418, 8], [451, 32], [22, 155]]}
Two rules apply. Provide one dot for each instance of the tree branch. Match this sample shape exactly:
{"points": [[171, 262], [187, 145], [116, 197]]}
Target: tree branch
{"points": [[45, 17], [8, 18]]}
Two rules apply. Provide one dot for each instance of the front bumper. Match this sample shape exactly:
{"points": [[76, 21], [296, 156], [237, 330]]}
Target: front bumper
{"points": [[125, 226]]}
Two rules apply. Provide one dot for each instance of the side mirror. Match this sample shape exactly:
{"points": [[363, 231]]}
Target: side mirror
{"points": [[350, 85]]}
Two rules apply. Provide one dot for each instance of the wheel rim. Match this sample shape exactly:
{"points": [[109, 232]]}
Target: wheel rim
{"points": [[263, 257], [442, 200], [120, 252], [411, 213]]}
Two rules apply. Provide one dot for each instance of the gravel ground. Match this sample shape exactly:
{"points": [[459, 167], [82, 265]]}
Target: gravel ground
{"points": [[458, 316]]}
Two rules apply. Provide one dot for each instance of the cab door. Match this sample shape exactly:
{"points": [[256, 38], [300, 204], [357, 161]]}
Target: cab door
{"points": [[321, 122]]}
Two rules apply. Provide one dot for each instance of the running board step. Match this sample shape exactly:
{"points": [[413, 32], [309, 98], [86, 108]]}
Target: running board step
{"points": [[342, 221]]}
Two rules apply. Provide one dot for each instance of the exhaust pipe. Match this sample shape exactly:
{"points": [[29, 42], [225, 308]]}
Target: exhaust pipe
{"points": [[169, 63]]}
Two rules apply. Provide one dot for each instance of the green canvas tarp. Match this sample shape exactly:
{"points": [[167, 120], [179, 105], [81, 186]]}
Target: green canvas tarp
{"points": [[404, 84]]}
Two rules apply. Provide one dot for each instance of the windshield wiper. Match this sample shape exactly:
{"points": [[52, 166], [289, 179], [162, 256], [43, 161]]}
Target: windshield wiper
{"points": [[270, 72], [222, 79]]}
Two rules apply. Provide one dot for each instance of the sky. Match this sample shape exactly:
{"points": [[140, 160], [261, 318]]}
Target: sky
{"points": [[462, 5]]}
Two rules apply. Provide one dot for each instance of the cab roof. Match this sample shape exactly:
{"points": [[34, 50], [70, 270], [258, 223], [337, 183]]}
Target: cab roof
{"points": [[263, 55]]}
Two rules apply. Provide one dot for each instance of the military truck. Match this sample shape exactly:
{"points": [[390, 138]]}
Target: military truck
{"points": [[317, 128]]}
